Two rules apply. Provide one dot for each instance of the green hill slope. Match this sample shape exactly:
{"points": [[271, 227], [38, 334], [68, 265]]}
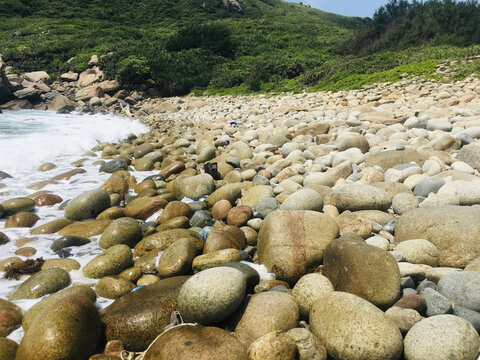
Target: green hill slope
{"points": [[228, 46], [172, 45]]}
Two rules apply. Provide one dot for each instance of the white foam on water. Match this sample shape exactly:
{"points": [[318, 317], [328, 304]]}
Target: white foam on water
{"points": [[29, 138], [33, 150]]}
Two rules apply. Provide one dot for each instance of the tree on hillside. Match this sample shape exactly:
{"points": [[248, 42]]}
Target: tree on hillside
{"points": [[402, 23]]}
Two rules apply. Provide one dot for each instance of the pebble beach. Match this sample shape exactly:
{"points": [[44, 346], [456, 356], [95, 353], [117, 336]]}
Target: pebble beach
{"points": [[303, 226]]}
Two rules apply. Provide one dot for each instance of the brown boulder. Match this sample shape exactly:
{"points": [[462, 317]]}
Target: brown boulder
{"points": [[68, 329], [10, 317], [266, 312], [144, 207], [363, 270], [291, 243], [137, 318], [162, 240], [454, 230], [186, 342]]}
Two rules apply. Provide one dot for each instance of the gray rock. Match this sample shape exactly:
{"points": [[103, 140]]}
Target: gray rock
{"points": [[265, 207], [211, 295], [40, 284], [260, 180], [426, 284], [407, 291], [4, 175], [67, 241], [473, 317], [305, 199], [87, 205], [232, 160], [442, 337], [201, 218], [427, 186], [437, 304], [113, 165], [462, 287], [470, 154], [407, 282]]}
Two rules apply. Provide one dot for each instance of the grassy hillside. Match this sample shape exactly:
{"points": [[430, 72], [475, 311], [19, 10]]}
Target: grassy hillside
{"points": [[178, 46], [172, 45]]}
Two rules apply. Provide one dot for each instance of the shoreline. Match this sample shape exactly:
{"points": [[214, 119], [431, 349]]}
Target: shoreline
{"points": [[383, 181]]}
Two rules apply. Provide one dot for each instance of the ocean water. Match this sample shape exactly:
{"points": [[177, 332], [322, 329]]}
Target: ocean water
{"points": [[31, 138]]}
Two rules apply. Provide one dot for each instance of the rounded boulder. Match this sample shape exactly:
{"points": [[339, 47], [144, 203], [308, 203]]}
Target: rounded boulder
{"points": [[87, 205], [68, 329], [348, 326], [442, 337], [188, 342], [363, 270], [121, 231], [291, 243], [110, 262], [212, 295]]}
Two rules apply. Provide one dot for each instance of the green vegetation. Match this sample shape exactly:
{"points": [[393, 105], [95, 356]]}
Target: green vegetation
{"points": [[400, 24], [179, 46]]}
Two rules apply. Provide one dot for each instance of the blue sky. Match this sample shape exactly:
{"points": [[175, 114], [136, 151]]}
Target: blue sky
{"points": [[361, 8]]}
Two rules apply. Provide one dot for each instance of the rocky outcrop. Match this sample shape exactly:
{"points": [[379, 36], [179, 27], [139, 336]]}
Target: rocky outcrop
{"points": [[5, 92]]}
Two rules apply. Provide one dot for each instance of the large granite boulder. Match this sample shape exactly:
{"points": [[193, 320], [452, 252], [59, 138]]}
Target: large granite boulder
{"points": [[352, 328], [291, 243], [363, 270], [454, 230]]}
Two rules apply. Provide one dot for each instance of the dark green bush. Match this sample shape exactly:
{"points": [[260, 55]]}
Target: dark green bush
{"points": [[134, 71], [400, 24], [13, 8], [216, 38]]}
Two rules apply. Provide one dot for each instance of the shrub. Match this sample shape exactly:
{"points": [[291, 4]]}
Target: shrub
{"points": [[134, 71]]}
